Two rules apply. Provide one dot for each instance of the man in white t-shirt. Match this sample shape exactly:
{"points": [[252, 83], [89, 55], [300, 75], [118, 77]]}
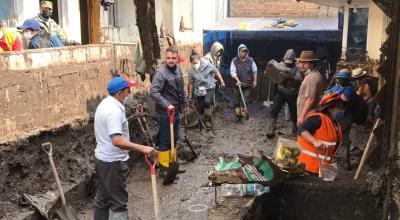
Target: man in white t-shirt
{"points": [[113, 145]]}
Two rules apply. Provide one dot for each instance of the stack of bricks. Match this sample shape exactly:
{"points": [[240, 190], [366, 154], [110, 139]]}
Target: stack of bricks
{"points": [[279, 8]]}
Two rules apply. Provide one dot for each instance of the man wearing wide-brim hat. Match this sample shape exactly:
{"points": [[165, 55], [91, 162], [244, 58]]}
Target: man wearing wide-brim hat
{"points": [[311, 88]]}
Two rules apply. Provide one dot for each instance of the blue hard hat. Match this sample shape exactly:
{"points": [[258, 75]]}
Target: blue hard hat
{"points": [[344, 74]]}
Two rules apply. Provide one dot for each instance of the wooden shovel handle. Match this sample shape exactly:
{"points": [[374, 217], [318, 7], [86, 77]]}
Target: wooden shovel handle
{"points": [[366, 151]]}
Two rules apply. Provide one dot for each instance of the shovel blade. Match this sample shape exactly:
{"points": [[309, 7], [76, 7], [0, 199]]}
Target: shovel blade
{"points": [[67, 213], [189, 144], [172, 171]]}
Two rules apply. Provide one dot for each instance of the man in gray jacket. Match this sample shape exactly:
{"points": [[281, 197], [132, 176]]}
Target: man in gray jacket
{"points": [[168, 94], [287, 93]]}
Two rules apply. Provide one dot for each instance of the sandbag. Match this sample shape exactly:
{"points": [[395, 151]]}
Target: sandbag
{"points": [[276, 72]]}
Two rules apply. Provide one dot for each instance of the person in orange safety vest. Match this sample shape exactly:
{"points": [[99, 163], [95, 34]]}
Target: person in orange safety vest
{"points": [[9, 40], [320, 135]]}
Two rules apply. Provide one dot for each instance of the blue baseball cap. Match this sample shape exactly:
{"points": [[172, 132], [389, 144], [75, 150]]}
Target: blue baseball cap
{"points": [[118, 83], [31, 24]]}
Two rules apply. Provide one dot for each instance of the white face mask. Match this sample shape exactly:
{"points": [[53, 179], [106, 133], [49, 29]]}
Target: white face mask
{"points": [[28, 35], [196, 66]]}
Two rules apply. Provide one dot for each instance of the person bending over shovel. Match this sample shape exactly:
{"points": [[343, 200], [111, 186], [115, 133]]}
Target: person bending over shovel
{"points": [[202, 80], [244, 72], [113, 145], [168, 94], [320, 134]]}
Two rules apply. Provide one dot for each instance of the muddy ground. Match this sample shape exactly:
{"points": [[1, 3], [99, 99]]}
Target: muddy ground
{"points": [[24, 169]]}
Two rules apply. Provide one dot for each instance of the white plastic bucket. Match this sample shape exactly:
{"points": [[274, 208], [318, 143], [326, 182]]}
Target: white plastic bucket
{"points": [[198, 212]]}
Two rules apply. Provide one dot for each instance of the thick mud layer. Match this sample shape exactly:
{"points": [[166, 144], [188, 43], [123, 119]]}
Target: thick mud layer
{"points": [[25, 169], [311, 198]]}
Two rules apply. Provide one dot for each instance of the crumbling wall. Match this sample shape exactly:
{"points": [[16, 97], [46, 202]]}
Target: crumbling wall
{"points": [[390, 145], [47, 88], [281, 9]]}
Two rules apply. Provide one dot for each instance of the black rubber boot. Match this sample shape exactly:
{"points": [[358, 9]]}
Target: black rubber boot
{"points": [[101, 214], [271, 128]]}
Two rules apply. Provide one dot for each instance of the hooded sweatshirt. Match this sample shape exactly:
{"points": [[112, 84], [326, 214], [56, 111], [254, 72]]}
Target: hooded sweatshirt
{"points": [[211, 56], [204, 76], [291, 86], [243, 68]]}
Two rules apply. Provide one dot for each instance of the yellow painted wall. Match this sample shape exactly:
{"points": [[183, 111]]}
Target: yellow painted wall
{"points": [[377, 23]]}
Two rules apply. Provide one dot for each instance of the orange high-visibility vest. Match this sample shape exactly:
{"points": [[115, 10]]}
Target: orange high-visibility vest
{"points": [[325, 134]]}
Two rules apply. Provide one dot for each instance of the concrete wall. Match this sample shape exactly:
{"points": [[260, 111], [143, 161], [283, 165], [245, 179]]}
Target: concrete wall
{"points": [[46, 88], [279, 9], [15, 12], [377, 23], [205, 14]]}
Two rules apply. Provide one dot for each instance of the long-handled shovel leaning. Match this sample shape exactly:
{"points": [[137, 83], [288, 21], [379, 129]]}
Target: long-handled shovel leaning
{"points": [[154, 186], [66, 212], [367, 148], [186, 139], [173, 168]]}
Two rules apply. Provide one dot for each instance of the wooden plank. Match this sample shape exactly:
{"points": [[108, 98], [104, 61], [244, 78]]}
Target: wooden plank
{"points": [[94, 21]]}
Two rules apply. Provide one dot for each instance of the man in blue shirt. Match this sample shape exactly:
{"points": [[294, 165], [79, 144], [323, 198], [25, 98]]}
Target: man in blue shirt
{"points": [[348, 95]]}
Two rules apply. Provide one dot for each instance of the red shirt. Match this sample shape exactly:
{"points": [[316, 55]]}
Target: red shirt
{"points": [[10, 41]]}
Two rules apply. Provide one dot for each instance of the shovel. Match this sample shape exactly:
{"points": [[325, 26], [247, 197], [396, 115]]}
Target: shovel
{"points": [[66, 212], [268, 103], [367, 148], [154, 186], [173, 168], [244, 101], [187, 141]]}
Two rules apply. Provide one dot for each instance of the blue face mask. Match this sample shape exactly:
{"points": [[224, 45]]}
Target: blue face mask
{"points": [[339, 115]]}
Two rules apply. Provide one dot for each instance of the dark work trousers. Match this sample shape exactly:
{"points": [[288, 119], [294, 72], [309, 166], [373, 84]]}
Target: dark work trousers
{"points": [[164, 135], [206, 101], [111, 186], [238, 99], [345, 124], [279, 100]]}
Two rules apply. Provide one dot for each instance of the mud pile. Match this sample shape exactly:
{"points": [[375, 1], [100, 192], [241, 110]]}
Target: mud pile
{"points": [[25, 167]]}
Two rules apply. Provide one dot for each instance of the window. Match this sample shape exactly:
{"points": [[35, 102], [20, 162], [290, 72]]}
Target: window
{"points": [[185, 12], [358, 27], [113, 15]]}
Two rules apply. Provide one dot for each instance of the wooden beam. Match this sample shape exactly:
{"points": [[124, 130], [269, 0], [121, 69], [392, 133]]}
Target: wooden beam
{"points": [[94, 21]]}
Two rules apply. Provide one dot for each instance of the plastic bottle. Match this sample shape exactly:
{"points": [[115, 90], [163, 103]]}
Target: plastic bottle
{"points": [[287, 112], [250, 189], [196, 91]]}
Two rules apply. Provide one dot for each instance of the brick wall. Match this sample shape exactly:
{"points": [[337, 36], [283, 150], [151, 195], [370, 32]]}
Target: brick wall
{"points": [[47, 88], [185, 51], [279, 8]]}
